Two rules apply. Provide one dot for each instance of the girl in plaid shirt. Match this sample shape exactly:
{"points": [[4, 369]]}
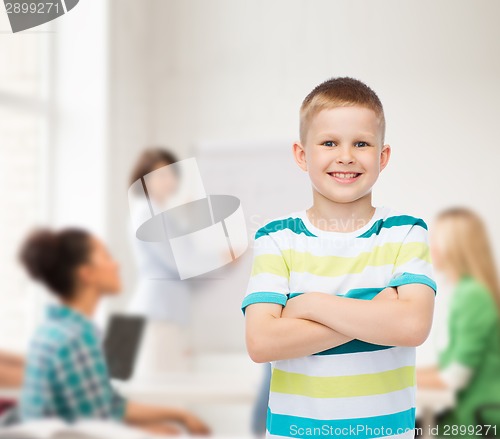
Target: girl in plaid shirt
{"points": [[66, 374]]}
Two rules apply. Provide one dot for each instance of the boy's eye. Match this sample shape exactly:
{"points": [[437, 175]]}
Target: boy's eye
{"points": [[329, 143]]}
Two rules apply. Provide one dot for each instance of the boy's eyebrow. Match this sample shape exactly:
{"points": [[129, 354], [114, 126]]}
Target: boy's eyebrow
{"points": [[365, 134]]}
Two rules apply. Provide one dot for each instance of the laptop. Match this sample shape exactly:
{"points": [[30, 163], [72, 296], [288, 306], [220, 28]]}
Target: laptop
{"points": [[121, 344]]}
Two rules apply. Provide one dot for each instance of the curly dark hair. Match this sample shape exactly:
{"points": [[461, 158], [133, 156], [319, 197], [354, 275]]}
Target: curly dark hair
{"points": [[52, 257]]}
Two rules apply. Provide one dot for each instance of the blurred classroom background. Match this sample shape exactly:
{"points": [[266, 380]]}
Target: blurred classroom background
{"points": [[222, 81]]}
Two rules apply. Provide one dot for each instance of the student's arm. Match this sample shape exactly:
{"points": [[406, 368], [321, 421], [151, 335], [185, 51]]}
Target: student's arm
{"points": [[11, 376], [11, 370], [144, 415], [270, 336], [403, 322], [10, 359]]}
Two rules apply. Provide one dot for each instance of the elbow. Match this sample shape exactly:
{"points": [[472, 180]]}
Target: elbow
{"points": [[258, 356], [256, 349], [417, 333]]}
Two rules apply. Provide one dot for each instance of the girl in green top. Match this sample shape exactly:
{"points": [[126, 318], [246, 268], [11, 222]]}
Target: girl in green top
{"points": [[470, 363]]}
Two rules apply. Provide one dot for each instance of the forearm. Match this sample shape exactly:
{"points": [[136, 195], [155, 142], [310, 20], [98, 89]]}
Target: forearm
{"points": [[391, 323], [428, 378], [138, 414], [284, 338], [11, 359], [11, 376]]}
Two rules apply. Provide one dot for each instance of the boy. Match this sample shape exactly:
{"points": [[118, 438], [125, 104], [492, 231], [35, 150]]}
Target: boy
{"points": [[341, 293]]}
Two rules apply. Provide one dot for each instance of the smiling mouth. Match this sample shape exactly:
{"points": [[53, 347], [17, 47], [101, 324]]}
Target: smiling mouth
{"points": [[345, 175]]}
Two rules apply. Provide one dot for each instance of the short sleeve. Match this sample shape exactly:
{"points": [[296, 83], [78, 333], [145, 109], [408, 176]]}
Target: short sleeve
{"points": [[413, 262], [472, 324], [270, 273]]}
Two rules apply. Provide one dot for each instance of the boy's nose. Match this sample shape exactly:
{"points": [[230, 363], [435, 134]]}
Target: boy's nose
{"points": [[345, 156]]}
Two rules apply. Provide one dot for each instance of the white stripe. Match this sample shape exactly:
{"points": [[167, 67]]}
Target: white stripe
{"points": [[266, 246], [345, 247], [417, 234], [370, 277], [417, 266], [342, 408], [267, 282], [342, 247], [286, 239], [350, 364]]}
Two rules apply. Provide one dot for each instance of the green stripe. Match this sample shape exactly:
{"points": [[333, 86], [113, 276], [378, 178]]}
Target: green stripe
{"points": [[342, 386], [356, 345], [296, 225], [360, 428], [392, 253], [352, 347], [393, 221], [412, 278], [363, 293]]}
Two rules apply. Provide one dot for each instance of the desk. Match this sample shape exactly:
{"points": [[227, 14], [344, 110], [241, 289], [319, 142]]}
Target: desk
{"points": [[199, 388], [192, 388], [225, 401], [429, 403]]}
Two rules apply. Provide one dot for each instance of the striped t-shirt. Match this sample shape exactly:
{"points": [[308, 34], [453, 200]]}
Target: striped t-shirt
{"points": [[357, 389]]}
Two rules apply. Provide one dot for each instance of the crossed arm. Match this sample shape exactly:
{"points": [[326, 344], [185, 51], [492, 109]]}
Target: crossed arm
{"points": [[313, 322]]}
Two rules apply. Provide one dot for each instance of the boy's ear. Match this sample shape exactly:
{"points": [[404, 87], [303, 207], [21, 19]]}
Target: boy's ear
{"points": [[385, 154], [299, 154]]}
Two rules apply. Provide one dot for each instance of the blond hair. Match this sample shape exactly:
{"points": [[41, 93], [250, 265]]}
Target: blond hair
{"points": [[466, 249], [339, 92]]}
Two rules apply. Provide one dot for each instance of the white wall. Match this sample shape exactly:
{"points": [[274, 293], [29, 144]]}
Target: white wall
{"points": [[78, 151], [191, 71]]}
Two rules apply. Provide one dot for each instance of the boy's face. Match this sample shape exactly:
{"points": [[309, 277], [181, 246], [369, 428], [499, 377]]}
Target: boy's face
{"points": [[343, 153]]}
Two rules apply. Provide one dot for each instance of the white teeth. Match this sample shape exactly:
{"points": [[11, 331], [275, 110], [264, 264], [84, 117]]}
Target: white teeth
{"points": [[343, 175]]}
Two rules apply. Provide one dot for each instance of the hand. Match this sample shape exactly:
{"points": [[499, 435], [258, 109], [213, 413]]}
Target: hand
{"points": [[293, 307], [390, 293], [163, 429], [298, 307], [195, 425]]}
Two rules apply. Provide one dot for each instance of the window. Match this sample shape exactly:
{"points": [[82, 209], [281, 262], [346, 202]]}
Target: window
{"points": [[24, 131]]}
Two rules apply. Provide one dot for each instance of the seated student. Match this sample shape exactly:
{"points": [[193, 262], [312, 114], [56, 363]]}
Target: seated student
{"points": [[66, 374], [469, 364]]}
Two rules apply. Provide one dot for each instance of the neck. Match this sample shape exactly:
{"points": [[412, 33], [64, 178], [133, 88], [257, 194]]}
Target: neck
{"points": [[84, 301], [342, 217]]}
